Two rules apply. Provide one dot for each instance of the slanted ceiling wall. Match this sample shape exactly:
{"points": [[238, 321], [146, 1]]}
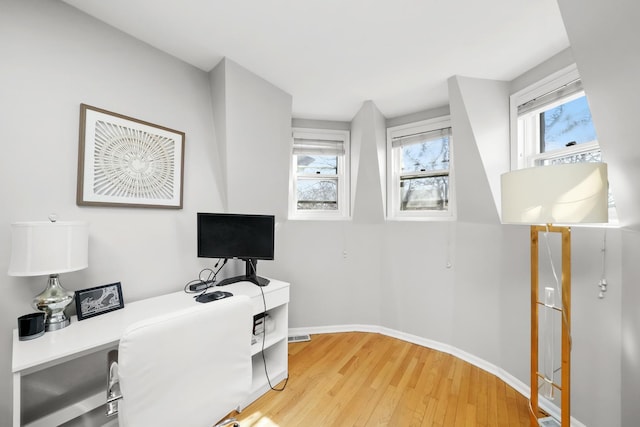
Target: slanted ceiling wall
{"points": [[480, 119], [368, 148], [606, 43], [255, 136]]}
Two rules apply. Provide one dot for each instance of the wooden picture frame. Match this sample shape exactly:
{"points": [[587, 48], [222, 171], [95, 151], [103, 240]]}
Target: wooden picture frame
{"points": [[128, 162], [98, 300]]}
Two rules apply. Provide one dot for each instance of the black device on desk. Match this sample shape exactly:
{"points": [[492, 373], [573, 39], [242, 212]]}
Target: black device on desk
{"points": [[213, 296], [242, 236]]}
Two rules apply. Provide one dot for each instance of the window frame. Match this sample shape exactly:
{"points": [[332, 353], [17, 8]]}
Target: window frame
{"points": [[342, 176], [525, 154], [394, 173], [525, 140]]}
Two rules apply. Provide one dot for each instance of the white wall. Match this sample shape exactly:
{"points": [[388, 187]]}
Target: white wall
{"points": [[257, 143], [419, 278], [630, 329], [477, 310], [557, 62], [53, 59], [515, 296], [480, 109], [604, 42], [605, 45], [471, 176], [596, 327], [253, 129], [368, 165], [459, 283]]}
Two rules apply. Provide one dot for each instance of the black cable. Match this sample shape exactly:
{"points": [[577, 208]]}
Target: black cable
{"points": [[210, 280], [198, 280], [189, 283], [264, 338], [213, 273]]}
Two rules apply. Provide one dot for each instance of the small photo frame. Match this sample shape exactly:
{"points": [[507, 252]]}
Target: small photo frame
{"points": [[128, 162], [99, 300]]}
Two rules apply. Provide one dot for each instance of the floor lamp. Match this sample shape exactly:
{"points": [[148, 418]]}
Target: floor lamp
{"points": [[571, 193]]}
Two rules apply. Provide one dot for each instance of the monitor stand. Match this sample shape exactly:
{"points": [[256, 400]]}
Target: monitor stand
{"points": [[249, 276], [256, 280]]}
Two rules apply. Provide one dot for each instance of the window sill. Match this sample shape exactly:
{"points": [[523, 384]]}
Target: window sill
{"points": [[422, 218], [318, 217]]}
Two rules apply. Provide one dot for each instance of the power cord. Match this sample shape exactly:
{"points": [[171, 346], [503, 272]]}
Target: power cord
{"points": [[264, 337], [208, 281], [565, 321]]}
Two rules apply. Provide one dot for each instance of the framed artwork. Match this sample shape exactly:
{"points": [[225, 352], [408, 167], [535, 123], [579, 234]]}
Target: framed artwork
{"points": [[124, 161], [99, 300]]}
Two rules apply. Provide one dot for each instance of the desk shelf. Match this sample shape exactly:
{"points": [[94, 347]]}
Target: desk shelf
{"points": [[275, 358], [275, 351], [271, 340], [90, 339]]}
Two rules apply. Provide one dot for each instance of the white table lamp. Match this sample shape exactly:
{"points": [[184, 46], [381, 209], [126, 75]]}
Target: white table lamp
{"points": [[49, 248], [571, 193]]}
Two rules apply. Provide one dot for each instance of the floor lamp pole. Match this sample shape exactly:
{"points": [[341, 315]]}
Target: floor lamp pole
{"points": [[565, 310]]}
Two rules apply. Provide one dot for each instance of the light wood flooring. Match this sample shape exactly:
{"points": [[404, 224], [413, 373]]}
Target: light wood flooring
{"points": [[368, 379]]}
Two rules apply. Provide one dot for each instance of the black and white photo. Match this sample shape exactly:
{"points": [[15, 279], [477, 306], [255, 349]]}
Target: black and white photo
{"points": [[99, 300]]}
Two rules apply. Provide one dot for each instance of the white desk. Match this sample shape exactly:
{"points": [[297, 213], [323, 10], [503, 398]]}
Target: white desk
{"points": [[104, 331]]}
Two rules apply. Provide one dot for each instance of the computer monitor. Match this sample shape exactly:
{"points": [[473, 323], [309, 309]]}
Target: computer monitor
{"points": [[246, 237]]}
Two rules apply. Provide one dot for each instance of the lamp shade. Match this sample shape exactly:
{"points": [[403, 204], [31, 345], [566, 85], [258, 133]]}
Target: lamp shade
{"points": [[570, 193], [43, 248]]}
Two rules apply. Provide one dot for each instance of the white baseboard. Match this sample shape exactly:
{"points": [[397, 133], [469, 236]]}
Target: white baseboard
{"points": [[512, 381]]}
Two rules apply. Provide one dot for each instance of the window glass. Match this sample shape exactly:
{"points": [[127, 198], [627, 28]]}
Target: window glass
{"points": [[426, 155], [419, 170], [317, 194], [583, 157], [565, 125], [429, 193], [317, 164]]}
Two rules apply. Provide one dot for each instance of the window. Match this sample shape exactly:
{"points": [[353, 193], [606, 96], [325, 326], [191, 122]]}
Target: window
{"points": [[419, 170], [320, 166], [553, 125], [556, 127]]}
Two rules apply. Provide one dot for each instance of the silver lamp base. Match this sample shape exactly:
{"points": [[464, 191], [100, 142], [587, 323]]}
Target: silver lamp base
{"points": [[53, 300]]}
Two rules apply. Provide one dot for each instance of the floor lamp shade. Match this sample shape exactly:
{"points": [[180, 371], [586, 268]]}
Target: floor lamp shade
{"points": [[49, 248], [43, 248], [570, 193]]}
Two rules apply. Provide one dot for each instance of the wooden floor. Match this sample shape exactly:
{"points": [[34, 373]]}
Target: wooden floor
{"points": [[368, 379]]}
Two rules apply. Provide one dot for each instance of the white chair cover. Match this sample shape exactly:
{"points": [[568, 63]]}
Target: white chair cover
{"points": [[189, 368]]}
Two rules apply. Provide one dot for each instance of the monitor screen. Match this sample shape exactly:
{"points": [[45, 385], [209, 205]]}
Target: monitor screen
{"points": [[222, 235]]}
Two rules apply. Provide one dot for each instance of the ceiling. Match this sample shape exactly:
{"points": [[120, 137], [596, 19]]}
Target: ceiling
{"points": [[332, 55]]}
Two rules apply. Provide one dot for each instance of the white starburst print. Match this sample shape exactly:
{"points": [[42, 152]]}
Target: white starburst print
{"points": [[128, 162], [132, 163]]}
